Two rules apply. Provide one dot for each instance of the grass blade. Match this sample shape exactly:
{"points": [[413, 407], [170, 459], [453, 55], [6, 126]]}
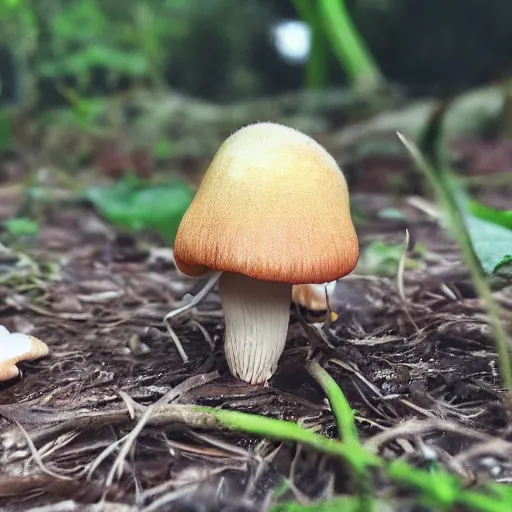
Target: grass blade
{"points": [[343, 413]]}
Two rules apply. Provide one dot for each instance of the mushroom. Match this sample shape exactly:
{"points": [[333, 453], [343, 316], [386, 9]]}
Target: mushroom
{"points": [[16, 347], [271, 211], [313, 301]]}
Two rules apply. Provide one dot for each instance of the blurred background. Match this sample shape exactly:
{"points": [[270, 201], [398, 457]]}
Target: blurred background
{"points": [[228, 50], [107, 89]]}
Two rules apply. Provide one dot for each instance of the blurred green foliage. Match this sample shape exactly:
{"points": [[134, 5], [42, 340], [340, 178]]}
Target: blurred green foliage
{"points": [[63, 39], [135, 205], [5, 130], [21, 226], [110, 44], [223, 49], [83, 39], [382, 259], [332, 28]]}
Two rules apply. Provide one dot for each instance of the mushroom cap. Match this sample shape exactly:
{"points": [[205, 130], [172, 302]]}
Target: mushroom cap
{"points": [[273, 205], [313, 297], [16, 347]]}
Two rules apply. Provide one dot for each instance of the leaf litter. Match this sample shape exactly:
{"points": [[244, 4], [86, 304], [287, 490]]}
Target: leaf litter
{"points": [[103, 420]]}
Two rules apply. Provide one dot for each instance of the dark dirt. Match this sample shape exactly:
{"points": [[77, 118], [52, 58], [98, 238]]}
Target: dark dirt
{"points": [[430, 360]]}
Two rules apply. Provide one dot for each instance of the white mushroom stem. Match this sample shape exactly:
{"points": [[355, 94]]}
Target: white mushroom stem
{"points": [[256, 314]]}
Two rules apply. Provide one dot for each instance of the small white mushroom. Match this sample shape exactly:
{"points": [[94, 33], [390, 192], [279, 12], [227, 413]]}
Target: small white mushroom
{"points": [[315, 299], [16, 347]]}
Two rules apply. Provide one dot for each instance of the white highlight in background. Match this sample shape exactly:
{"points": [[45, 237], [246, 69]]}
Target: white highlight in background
{"points": [[293, 40]]}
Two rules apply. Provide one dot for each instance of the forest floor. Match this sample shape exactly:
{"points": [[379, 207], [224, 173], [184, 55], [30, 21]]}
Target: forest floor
{"points": [[422, 375]]}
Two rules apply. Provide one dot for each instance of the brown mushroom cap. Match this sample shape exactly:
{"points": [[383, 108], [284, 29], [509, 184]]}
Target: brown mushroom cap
{"points": [[274, 206]]}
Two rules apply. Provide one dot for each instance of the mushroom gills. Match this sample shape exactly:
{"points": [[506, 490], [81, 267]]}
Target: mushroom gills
{"points": [[256, 315]]}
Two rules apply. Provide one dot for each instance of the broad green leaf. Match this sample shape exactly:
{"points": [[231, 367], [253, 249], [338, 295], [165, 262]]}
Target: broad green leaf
{"points": [[491, 242], [482, 211], [135, 206]]}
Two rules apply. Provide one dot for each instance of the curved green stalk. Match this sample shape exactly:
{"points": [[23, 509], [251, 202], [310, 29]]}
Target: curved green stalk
{"points": [[348, 45], [434, 488], [316, 70], [344, 415], [340, 407]]}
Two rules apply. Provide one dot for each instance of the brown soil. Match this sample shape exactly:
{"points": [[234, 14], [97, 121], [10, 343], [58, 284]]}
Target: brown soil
{"points": [[430, 359]]}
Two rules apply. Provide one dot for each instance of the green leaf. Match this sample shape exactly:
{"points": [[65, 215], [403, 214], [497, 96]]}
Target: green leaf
{"points": [[482, 211], [491, 242], [135, 206], [21, 226]]}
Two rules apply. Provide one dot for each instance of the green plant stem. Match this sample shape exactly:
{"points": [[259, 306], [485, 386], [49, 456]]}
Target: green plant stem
{"points": [[340, 407], [439, 489], [458, 227], [358, 458], [316, 70], [476, 501], [344, 415], [285, 431], [348, 45], [336, 504]]}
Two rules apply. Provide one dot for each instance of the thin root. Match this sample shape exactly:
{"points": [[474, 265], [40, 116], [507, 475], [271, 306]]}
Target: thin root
{"points": [[172, 315]]}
